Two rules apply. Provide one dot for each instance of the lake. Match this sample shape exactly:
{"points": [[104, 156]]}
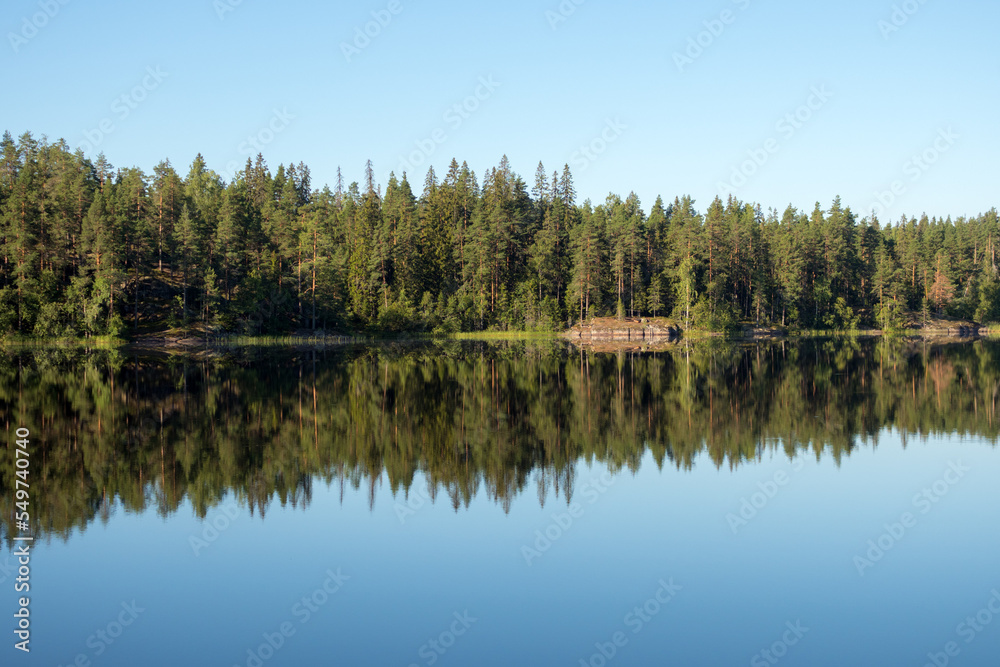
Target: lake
{"points": [[820, 502]]}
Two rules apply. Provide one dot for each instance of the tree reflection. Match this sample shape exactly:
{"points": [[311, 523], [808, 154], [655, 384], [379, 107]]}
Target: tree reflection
{"points": [[471, 418]]}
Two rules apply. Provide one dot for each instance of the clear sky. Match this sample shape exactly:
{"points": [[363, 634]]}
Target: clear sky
{"points": [[869, 86]]}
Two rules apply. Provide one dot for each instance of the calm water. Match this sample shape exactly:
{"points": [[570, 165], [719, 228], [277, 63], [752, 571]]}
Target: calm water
{"points": [[822, 503]]}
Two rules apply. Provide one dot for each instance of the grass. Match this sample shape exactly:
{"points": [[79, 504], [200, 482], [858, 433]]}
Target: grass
{"points": [[837, 333], [498, 335]]}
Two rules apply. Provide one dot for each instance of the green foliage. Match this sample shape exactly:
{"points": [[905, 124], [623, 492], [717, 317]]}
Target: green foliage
{"points": [[51, 322], [711, 316], [397, 317], [842, 317], [988, 309], [8, 310], [890, 316]]}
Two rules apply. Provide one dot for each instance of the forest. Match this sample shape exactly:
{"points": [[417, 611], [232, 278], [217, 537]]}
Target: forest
{"points": [[94, 250]]}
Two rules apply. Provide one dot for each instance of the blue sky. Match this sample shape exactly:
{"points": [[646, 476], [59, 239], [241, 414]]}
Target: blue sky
{"points": [[659, 115]]}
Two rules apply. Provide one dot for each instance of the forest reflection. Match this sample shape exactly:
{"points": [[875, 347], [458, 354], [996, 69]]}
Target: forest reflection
{"points": [[114, 428]]}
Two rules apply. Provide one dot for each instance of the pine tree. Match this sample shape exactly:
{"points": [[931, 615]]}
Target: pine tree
{"points": [[188, 238], [401, 230], [102, 245], [168, 199], [230, 235], [942, 290], [364, 267], [588, 259], [133, 210], [22, 213], [719, 258]]}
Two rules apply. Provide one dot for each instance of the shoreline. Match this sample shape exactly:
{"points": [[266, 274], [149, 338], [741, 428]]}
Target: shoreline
{"points": [[628, 331], [626, 337]]}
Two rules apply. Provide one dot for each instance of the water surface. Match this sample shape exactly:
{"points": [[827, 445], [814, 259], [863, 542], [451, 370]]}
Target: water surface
{"points": [[828, 502]]}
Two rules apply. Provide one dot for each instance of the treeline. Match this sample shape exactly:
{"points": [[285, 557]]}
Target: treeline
{"points": [[465, 419], [89, 249]]}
